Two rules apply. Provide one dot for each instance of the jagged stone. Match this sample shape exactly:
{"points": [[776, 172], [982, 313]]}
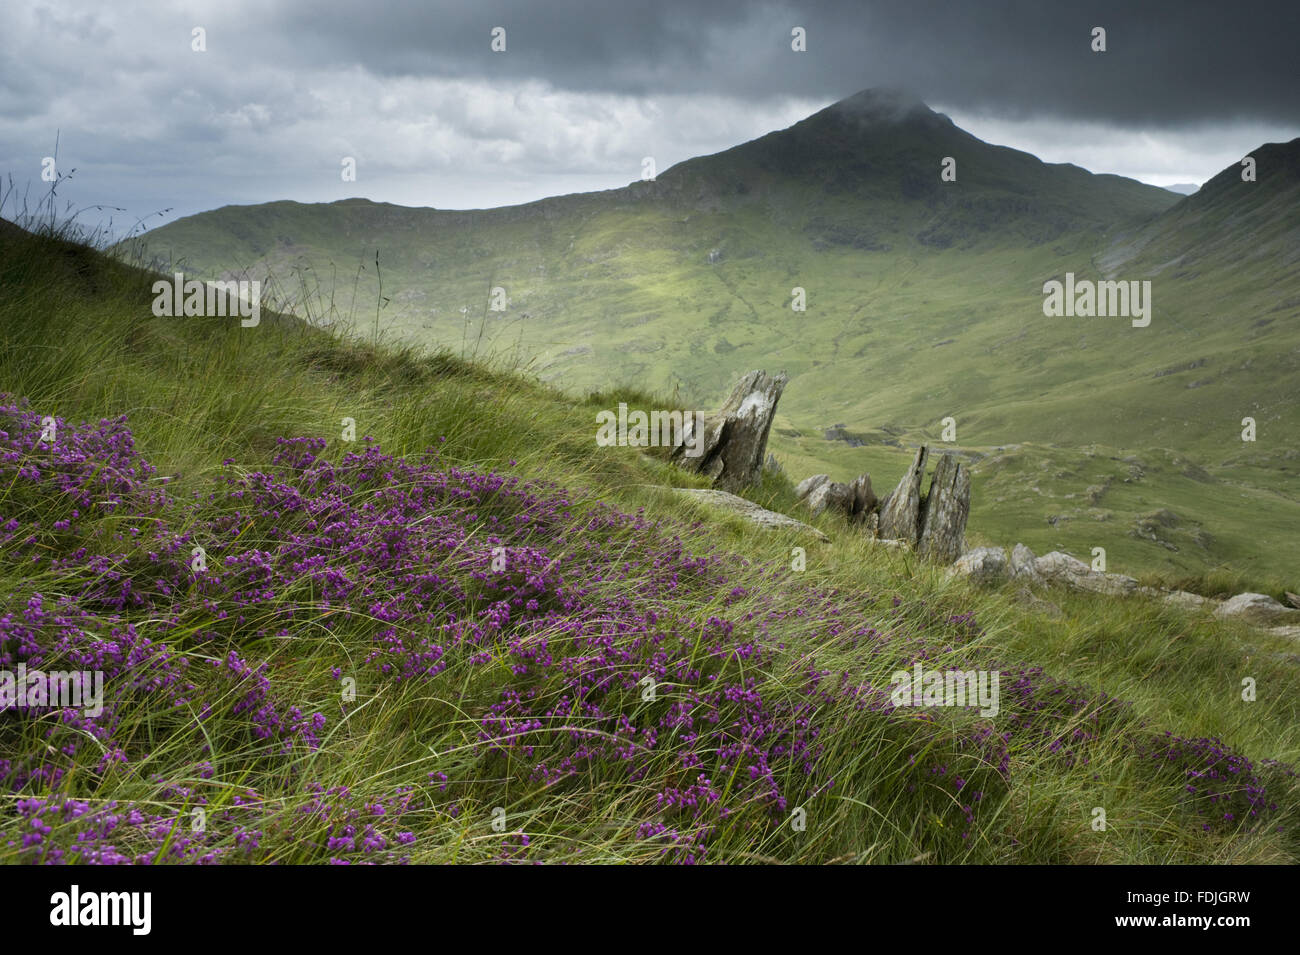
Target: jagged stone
{"points": [[900, 515], [864, 502], [943, 517], [983, 565], [735, 439], [769, 520], [810, 484], [1256, 608]]}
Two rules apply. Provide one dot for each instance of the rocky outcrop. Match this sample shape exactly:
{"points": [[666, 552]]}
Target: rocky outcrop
{"points": [[900, 512], [943, 516], [855, 501], [1060, 568], [933, 524], [768, 520], [984, 565], [734, 441]]}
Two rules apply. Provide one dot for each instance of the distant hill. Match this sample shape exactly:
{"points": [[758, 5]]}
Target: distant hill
{"points": [[1183, 188]]}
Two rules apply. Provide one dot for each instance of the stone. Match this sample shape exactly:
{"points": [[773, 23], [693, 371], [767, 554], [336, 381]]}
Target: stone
{"points": [[943, 516], [864, 501], [734, 441], [1023, 564], [833, 496], [983, 565], [1069, 571], [900, 514], [809, 484], [1256, 608], [1293, 599], [768, 520]]}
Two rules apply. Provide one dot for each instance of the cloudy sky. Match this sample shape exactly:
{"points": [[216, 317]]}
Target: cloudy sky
{"points": [[433, 116]]}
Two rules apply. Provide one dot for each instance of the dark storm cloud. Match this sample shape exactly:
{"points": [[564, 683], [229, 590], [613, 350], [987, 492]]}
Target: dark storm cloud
{"points": [[1167, 63]]}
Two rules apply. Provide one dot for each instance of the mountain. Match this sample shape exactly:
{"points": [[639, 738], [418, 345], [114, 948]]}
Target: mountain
{"points": [[924, 301], [1183, 188]]}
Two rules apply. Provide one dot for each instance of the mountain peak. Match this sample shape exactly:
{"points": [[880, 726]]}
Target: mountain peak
{"points": [[887, 103]]}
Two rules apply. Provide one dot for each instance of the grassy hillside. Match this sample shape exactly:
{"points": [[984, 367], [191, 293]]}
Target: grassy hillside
{"points": [[924, 301], [349, 678]]}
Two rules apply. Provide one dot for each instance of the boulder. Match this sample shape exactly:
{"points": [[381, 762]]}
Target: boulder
{"points": [[834, 496], [943, 516], [983, 565], [1060, 568], [900, 514], [735, 439], [768, 520], [1256, 608]]}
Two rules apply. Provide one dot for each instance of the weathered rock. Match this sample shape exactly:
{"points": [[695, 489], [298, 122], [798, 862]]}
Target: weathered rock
{"points": [[1256, 608], [900, 514], [1071, 572], [769, 520], [809, 484], [1293, 599], [943, 517], [1059, 567], [864, 502], [983, 565], [1292, 633], [735, 439], [833, 496], [1023, 566]]}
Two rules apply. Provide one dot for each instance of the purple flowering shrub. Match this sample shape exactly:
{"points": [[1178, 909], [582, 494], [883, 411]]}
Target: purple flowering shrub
{"points": [[1223, 789], [570, 649]]}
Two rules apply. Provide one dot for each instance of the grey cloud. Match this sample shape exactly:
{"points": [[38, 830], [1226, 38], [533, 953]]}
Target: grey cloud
{"points": [[1168, 62]]}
